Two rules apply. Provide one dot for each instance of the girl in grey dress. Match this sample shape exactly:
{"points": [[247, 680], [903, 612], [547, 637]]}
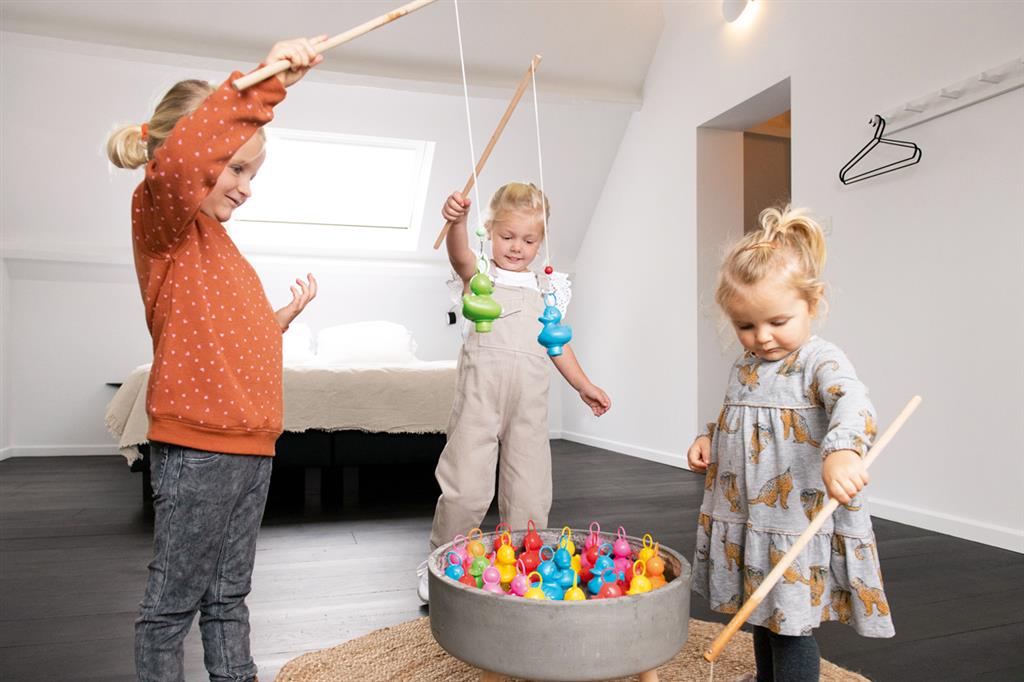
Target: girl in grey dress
{"points": [[794, 426]]}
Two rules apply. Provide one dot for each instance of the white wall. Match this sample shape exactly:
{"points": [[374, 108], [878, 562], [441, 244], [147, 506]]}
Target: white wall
{"points": [[5, 324], [75, 319], [720, 220], [925, 263]]}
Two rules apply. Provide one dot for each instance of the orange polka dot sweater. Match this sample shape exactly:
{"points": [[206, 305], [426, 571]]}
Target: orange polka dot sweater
{"points": [[216, 379]]}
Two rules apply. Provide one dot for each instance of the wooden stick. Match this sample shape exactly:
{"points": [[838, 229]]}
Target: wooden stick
{"points": [[761, 592], [282, 65], [523, 82]]}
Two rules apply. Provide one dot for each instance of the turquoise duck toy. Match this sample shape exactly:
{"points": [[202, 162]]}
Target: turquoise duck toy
{"points": [[480, 307], [554, 335]]}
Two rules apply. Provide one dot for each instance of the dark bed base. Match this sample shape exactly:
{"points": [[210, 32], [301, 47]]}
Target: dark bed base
{"points": [[331, 460]]}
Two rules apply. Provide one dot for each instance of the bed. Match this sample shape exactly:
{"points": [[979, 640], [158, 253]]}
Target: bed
{"points": [[363, 398]]}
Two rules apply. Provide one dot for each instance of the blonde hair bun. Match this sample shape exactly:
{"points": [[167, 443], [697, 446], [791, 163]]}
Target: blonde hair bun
{"points": [[125, 146], [789, 242]]}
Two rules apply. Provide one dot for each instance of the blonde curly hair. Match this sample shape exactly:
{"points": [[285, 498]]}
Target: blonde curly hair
{"points": [[790, 243]]}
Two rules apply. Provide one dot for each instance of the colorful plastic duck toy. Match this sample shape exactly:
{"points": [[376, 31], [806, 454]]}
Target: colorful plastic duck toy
{"points": [[655, 571], [604, 560], [506, 554], [475, 547], [477, 568], [552, 591], [554, 335], [505, 557], [594, 539], [563, 558], [548, 569], [565, 541], [535, 592], [622, 548], [480, 307], [594, 584], [520, 583], [640, 582], [492, 580], [531, 559], [532, 541], [608, 587], [499, 533], [649, 549], [454, 569], [574, 593], [459, 547]]}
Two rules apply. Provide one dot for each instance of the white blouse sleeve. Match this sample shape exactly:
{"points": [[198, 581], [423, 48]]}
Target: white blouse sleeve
{"points": [[562, 288], [455, 289]]}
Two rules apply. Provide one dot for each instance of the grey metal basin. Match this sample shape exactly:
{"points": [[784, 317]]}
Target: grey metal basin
{"points": [[561, 641]]}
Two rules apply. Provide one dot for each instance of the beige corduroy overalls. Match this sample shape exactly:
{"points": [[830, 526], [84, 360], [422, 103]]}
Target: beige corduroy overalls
{"points": [[499, 418]]}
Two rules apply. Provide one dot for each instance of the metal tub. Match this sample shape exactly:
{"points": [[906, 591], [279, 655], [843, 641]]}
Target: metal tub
{"points": [[561, 641]]}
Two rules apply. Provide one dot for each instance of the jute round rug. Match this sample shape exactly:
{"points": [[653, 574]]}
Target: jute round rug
{"points": [[408, 652]]}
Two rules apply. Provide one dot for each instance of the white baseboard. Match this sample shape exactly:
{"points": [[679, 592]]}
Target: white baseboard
{"points": [[59, 450], [957, 526], [675, 459], [6, 452]]}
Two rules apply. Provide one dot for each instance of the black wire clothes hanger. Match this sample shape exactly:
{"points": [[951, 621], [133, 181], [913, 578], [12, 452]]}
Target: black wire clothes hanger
{"points": [[879, 123]]}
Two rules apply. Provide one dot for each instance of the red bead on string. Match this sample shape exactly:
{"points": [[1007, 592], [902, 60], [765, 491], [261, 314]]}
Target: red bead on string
{"points": [[548, 269]]}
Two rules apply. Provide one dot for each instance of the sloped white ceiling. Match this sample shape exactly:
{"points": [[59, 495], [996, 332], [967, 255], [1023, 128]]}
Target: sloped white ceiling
{"points": [[597, 50]]}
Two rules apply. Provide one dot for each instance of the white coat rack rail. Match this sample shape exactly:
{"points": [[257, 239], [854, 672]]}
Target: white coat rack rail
{"points": [[964, 93]]}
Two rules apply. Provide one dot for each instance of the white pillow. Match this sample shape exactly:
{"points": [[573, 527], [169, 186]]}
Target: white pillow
{"points": [[365, 342], [297, 344]]}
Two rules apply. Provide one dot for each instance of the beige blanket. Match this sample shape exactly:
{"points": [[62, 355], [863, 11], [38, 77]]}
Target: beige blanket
{"points": [[412, 398]]}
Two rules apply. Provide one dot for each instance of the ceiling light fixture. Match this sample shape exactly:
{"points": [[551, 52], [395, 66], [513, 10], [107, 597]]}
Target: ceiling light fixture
{"points": [[732, 9]]}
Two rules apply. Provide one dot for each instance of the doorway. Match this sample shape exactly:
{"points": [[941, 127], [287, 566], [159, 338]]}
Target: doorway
{"points": [[743, 166]]}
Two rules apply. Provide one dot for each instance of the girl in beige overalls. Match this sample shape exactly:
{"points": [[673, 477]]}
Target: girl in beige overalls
{"points": [[500, 412]]}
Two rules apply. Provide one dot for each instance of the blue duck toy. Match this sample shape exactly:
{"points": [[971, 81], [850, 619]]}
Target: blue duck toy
{"points": [[554, 335]]}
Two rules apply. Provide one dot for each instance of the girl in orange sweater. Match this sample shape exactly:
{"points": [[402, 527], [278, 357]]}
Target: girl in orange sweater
{"points": [[214, 395]]}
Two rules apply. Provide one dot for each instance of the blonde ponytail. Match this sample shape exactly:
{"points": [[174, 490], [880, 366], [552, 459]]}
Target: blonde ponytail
{"points": [[126, 147], [790, 243]]}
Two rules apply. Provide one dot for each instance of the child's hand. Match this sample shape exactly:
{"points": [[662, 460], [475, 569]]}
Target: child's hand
{"points": [[456, 208], [844, 475], [596, 399], [300, 52], [301, 296], [699, 454]]}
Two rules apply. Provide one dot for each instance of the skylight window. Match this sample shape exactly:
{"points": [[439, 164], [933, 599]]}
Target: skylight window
{"points": [[329, 194]]}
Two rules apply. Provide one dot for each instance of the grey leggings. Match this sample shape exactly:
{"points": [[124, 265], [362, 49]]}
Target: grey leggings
{"points": [[784, 658], [208, 511]]}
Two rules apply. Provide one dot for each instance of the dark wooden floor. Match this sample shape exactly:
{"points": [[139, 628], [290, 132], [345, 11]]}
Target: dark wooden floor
{"points": [[74, 544]]}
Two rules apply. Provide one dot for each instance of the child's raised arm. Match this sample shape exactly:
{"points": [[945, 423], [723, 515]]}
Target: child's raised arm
{"points": [[462, 258], [186, 166]]}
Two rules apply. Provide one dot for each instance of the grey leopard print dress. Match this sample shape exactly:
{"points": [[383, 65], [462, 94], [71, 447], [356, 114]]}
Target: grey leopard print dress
{"points": [[763, 485]]}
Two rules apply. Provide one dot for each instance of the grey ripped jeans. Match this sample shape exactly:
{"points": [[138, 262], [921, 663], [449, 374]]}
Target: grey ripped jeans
{"points": [[208, 511]]}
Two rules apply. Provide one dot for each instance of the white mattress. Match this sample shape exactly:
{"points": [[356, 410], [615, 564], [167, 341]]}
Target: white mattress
{"points": [[408, 398]]}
